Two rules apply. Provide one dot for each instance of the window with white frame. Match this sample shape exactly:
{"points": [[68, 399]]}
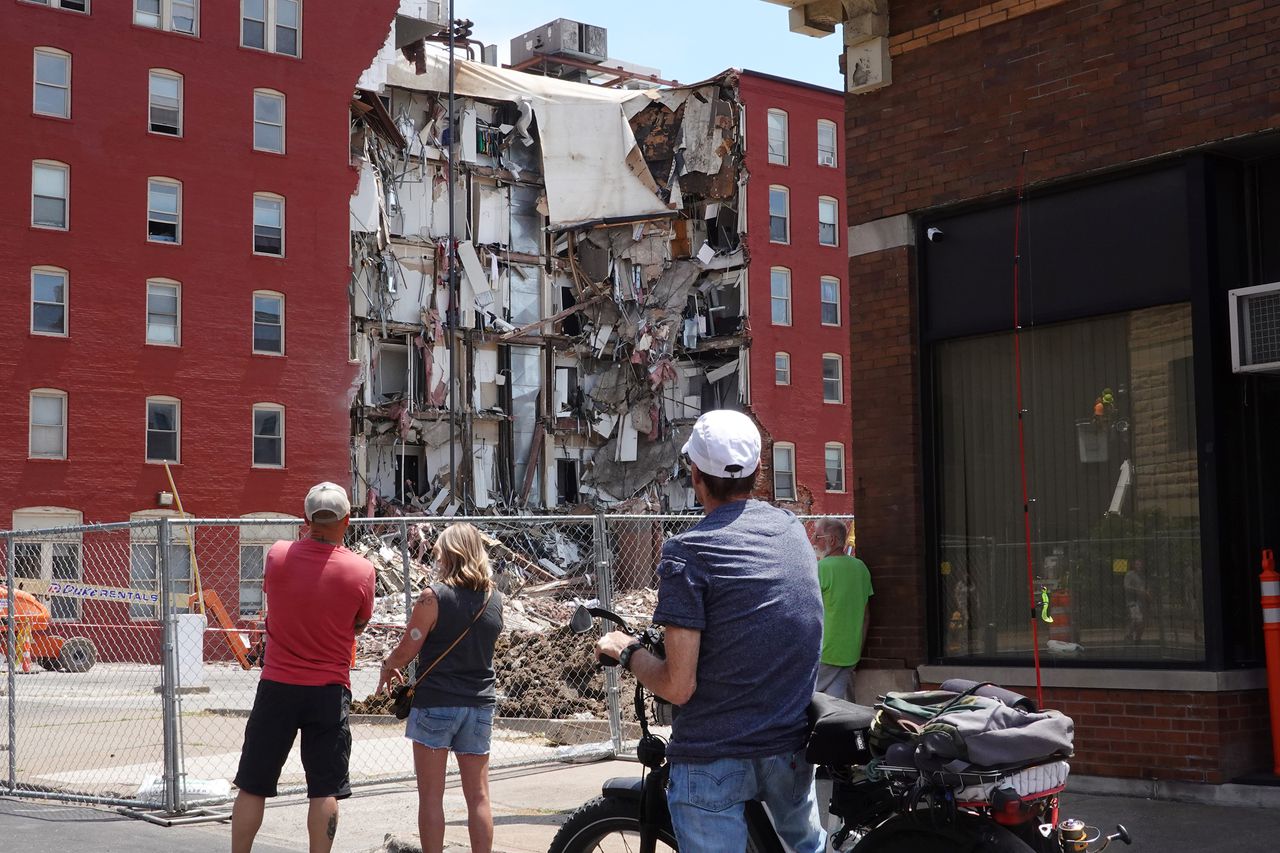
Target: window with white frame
{"points": [[779, 215], [272, 25], [268, 224], [163, 429], [69, 5], [781, 368], [830, 295], [49, 301], [164, 312], [827, 221], [268, 323], [164, 210], [268, 435], [835, 467], [49, 556], [144, 563], [164, 102], [255, 541], [784, 471], [47, 438], [52, 83], [268, 121], [179, 16], [826, 143], [832, 379], [778, 137], [780, 296], [50, 194]]}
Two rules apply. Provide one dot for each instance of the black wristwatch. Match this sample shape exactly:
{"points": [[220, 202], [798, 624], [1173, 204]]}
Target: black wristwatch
{"points": [[624, 659]]}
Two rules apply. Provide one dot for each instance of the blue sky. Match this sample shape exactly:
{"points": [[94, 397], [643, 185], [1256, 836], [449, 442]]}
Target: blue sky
{"points": [[689, 40]]}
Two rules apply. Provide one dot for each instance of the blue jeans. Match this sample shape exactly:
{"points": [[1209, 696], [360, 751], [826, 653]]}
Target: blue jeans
{"points": [[707, 802]]}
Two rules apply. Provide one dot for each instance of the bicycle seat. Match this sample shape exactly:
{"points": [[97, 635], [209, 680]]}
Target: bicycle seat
{"points": [[838, 731]]}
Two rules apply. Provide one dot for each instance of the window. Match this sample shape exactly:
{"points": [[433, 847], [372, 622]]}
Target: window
{"points": [[69, 5], [826, 143], [268, 224], [835, 467], [162, 429], [271, 25], [50, 556], [268, 435], [779, 229], [268, 121], [52, 76], [1117, 520], [48, 432], [784, 471], [179, 16], [164, 114], [256, 540], [830, 293], [164, 210], [832, 381], [144, 564], [268, 323], [50, 189], [780, 296], [827, 219], [778, 137], [781, 368], [164, 312], [48, 301]]}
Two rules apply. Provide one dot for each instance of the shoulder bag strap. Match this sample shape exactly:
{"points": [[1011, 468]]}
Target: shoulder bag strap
{"points": [[467, 630]]}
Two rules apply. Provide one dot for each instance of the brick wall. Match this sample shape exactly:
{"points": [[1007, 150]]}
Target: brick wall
{"points": [[1177, 736], [1078, 85]]}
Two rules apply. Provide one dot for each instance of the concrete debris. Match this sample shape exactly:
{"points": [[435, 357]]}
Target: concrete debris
{"points": [[589, 309]]}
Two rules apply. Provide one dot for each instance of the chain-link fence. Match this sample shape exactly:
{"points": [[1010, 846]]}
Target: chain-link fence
{"points": [[133, 658]]}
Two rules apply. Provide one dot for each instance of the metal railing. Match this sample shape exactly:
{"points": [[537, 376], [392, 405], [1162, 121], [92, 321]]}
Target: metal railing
{"points": [[132, 688]]}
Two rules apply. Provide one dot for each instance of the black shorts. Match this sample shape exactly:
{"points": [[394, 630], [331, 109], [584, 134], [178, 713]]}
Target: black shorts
{"points": [[279, 712]]}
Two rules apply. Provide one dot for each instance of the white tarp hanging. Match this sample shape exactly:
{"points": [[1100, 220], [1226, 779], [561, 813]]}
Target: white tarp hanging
{"points": [[586, 139]]}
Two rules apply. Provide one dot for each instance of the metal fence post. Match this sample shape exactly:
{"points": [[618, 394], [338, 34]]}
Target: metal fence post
{"points": [[604, 587], [168, 668], [408, 577], [11, 641]]}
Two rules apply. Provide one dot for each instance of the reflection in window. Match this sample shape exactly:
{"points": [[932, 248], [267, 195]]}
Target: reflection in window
{"points": [[1111, 463]]}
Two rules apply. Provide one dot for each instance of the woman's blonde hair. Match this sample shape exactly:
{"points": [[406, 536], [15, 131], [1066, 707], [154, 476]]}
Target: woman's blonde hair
{"points": [[462, 558]]}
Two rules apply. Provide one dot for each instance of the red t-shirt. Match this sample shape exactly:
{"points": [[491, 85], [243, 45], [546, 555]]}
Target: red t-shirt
{"points": [[316, 592]]}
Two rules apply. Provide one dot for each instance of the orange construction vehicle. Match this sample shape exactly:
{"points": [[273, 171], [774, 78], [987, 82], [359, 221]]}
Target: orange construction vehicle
{"points": [[31, 628]]}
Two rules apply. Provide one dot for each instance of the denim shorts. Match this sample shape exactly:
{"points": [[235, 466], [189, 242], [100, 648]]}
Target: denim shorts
{"points": [[465, 731]]}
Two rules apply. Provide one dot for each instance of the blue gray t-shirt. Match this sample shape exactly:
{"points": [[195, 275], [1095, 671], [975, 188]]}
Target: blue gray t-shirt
{"points": [[747, 578]]}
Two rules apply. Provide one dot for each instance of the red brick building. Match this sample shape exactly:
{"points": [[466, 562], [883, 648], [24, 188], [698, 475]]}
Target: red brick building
{"points": [[1144, 133], [175, 261], [799, 356]]}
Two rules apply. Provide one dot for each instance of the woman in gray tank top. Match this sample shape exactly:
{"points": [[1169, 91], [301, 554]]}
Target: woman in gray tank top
{"points": [[452, 633]]}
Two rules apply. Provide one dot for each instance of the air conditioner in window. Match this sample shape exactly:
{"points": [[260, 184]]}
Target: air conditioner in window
{"points": [[826, 159], [1255, 329]]}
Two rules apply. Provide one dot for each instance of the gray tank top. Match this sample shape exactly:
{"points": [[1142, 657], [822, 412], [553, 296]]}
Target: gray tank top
{"points": [[464, 678]]}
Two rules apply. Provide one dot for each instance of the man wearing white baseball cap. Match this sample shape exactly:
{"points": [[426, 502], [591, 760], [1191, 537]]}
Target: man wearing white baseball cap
{"points": [[320, 596], [738, 595]]}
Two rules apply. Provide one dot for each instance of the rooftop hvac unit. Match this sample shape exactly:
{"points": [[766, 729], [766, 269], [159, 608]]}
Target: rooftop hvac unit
{"points": [[419, 19], [562, 37], [1255, 329]]}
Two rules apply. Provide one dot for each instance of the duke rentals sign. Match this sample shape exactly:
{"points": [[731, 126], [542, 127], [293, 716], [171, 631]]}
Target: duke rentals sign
{"points": [[72, 589]]}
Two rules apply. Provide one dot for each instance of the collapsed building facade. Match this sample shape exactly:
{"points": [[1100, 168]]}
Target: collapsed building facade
{"points": [[598, 298]]}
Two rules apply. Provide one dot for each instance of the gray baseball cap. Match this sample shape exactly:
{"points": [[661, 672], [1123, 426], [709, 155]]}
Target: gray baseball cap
{"points": [[327, 502]]}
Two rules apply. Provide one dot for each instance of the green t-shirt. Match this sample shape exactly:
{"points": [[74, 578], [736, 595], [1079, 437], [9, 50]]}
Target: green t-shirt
{"points": [[846, 588]]}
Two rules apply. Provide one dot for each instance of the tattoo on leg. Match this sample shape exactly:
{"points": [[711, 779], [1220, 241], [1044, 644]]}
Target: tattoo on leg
{"points": [[333, 826]]}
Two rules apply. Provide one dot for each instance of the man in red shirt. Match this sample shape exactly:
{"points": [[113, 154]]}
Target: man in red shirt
{"points": [[320, 596]]}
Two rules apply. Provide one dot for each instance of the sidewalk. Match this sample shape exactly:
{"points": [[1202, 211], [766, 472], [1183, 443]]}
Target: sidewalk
{"points": [[529, 806]]}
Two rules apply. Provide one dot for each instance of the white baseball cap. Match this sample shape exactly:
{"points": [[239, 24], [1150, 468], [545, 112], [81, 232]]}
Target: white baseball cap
{"points": [[724, 443], [329, 501]]}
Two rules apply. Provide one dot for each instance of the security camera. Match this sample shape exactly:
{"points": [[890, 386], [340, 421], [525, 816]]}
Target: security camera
{"points": [[935, 235]]}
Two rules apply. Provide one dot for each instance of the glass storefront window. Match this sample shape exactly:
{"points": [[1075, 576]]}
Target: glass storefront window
{"points": [[1112, 471]]}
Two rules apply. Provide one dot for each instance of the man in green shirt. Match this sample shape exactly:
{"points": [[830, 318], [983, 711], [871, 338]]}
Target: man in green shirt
{"points": [[846, 595]]}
